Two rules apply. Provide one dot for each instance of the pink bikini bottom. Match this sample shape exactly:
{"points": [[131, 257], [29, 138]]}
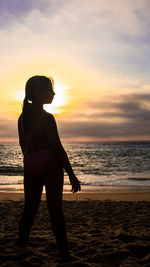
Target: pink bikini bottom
{"points": [[38, 162]]}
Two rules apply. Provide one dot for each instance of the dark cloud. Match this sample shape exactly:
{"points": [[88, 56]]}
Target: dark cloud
{"points": [[130, 118], [103, 129], [111, 101], [131, 109], [128, 110]]}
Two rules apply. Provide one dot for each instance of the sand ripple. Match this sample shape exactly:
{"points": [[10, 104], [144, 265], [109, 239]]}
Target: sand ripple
{"points": [[100, 233]]}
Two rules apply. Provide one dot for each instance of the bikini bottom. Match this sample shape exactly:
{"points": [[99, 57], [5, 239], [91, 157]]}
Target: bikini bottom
{"points": [[38, 162]]}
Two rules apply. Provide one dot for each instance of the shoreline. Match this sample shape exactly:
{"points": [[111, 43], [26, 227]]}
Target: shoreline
{"points": [[112, 193], [86, 189]]}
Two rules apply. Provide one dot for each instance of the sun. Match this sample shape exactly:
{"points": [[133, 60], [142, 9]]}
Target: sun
{"points": [[60, 98]]}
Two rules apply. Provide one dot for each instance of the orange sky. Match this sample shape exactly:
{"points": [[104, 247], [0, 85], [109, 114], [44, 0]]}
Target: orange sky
{"points": [[98, 54]]}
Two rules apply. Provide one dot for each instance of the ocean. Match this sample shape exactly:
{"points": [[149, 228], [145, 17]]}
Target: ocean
{"points": [[115, 164]]}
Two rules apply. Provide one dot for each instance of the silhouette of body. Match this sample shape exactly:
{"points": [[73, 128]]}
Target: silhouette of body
{"points": [[44, 162]]}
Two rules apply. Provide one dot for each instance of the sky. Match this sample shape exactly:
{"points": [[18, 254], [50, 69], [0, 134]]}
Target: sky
{"points": [[98, 54]]}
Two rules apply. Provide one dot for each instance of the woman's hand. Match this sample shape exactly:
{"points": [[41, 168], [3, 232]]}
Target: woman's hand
{"points": [[75, 184]]}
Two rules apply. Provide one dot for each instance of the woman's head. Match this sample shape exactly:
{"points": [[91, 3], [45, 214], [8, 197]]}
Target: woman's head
{"points": [[40, 89]]}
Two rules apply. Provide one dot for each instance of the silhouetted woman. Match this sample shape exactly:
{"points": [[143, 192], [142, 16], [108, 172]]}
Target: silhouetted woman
{"points": [[44, 162]]}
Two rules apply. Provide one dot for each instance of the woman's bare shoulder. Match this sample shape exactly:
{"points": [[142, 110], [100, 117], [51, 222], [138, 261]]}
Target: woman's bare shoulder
{"points": [[50, 121], [48, 116]]}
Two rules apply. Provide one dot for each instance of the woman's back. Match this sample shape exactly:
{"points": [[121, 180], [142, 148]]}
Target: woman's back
{"points": [[36, 137]]}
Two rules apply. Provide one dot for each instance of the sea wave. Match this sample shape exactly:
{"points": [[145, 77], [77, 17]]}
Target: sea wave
{"points": [[87, 180], [11, 170], [94, 163], [138, 179]]}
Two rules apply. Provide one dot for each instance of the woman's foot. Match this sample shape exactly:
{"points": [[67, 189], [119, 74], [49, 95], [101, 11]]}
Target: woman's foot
{"points": [[68, 258], [21, 243]]}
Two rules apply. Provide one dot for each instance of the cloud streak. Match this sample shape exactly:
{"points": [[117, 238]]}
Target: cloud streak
{"points": [[100, 47], [103, 124]]}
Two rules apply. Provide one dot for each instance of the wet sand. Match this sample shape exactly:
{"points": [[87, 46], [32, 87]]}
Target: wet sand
{"points": [[123, 194], [104, 229]]}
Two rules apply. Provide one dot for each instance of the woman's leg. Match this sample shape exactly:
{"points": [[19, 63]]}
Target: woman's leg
{"points": [[32, 194], [54, 188]]}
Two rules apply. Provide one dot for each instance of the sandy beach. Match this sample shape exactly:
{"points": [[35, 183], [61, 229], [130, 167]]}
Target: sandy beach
{"points": [[104, 229]]}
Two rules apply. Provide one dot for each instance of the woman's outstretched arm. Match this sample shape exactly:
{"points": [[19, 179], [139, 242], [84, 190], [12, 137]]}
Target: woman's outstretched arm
{"points": [[61, 154]]}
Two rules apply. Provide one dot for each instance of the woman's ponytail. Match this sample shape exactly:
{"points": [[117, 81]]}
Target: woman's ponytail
{"points": [[26, 115]]}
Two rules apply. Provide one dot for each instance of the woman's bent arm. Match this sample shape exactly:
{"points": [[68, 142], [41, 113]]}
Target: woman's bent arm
{"points": [[56, 145]]}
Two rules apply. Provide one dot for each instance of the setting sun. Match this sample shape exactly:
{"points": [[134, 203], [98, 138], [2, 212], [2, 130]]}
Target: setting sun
{"points": [[60, 98], [101, 83]]}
